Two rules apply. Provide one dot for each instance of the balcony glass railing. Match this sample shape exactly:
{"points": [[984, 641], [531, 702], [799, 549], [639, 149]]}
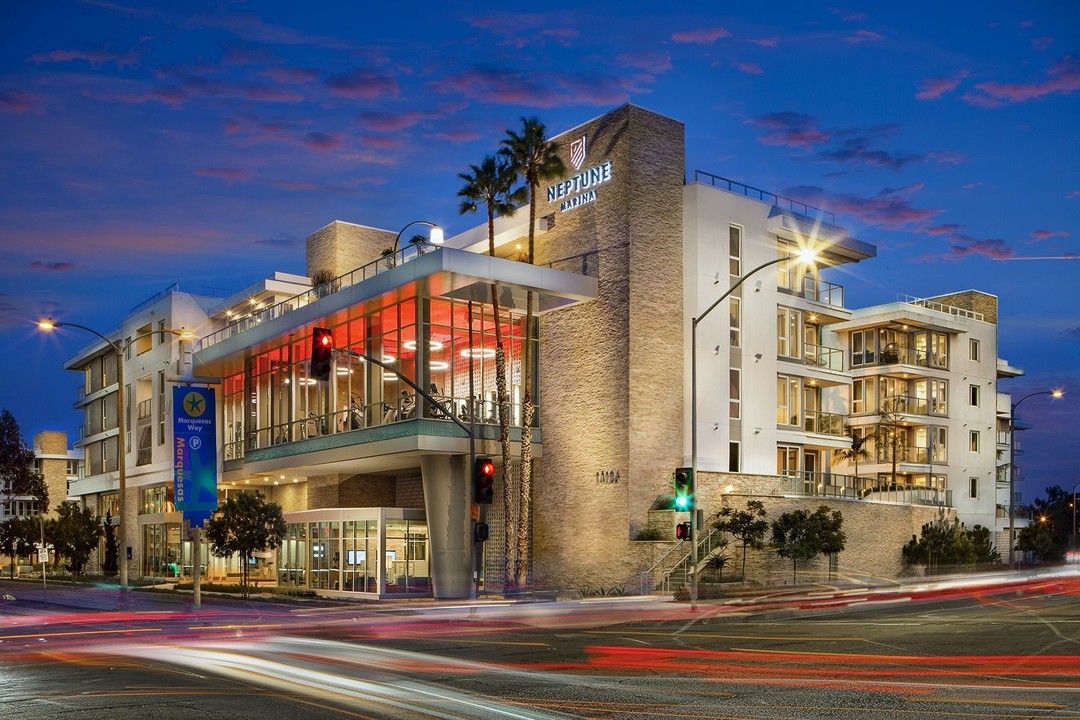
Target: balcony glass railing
{"points": [[870, 489], [893, 354], [142, 410], [355, 277], [361, 417], [911, 405], [823, 423], [823, 357]]}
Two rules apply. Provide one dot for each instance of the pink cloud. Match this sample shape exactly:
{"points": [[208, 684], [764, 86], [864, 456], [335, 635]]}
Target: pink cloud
{"points": [[96, 58], [363, 84], [1042, 43], [790, 129], [863, 36], [947, 229], [703, 36], [382, 142], [972, 185], [307, 186], [322, 141], [545, 90], [519, 30], [202, 86], [292, 76], [51, 266], [934, 88], [1063, 79], [749, 68], [995, 249], [224, 173], [1040, 235], [766, 42], [386, 121], [890, 208], [651, 62], [17, 101], [1073, 195]]}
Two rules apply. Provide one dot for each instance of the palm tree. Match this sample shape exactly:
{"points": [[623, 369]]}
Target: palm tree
{"points": [[535, 158], [859, 449], [491, 184]]}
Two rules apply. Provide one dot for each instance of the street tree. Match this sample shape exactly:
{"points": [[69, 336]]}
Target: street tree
{"points": [[111, 563], [1043, 539], [74, 533], [491, 185], [892, 434], [536, 158], [18, 477], [244, 525], [17, 537], [802, 535], [748, 526], [950, 543]]}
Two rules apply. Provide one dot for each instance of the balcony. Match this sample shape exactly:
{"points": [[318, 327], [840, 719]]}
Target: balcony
{"points": [[910, 405], [823, 357], [142, 410], [911, 454], [855, 487], [823, 423], [818, 291]]}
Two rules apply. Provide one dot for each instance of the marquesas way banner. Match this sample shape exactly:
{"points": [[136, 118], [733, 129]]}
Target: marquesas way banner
{"points": [[195, 450]]}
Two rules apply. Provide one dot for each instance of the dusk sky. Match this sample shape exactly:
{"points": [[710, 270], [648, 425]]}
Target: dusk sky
{"points": [[144, 144]]}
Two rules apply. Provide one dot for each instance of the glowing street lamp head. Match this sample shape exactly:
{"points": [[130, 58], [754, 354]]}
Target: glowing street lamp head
{"points": [[436, 236], [1056, 393], [807, 256], [46, 324]]}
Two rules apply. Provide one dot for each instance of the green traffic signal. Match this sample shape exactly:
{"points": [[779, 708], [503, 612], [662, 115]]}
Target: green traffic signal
{"points": [[684, 488]]}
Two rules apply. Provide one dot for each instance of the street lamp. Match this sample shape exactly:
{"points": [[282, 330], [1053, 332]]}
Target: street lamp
{"points": [[435, 237], [1012, 466], [121, 465], [806, 256]]}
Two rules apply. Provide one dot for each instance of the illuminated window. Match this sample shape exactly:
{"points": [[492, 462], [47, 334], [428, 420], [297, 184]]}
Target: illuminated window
{"points": [[735, 321], [735, 409], [973, 441], [735, 250]]}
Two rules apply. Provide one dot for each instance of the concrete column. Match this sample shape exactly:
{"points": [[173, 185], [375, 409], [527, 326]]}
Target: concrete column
{"points": [[446, 502]]}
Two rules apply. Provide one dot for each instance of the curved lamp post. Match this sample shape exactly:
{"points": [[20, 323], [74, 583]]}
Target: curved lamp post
{"points": [[805, 256], [1012, 467], [121, 465], [435, 237]]}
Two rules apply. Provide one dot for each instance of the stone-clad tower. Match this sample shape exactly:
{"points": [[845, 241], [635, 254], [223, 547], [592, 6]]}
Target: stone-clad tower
{"points": [[611, 371]]}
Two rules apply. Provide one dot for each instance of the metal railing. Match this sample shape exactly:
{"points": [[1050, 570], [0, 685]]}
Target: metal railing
{"points": [[361, 417], [733, 186], [823, 423], [910, 454], [869, 489], [355, 277], [142, 410], [823, 357], [940, 307]]}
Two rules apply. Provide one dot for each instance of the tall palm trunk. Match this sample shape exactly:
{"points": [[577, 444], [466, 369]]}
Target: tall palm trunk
{"points": [[510, 521]]}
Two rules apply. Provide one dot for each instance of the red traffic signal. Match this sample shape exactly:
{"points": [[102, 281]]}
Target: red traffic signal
{"points": [[322, 353], [483, 481], [682, 531]]}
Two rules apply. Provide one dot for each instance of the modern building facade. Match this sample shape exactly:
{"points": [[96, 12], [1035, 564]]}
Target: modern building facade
{"points": [[374, 477]]}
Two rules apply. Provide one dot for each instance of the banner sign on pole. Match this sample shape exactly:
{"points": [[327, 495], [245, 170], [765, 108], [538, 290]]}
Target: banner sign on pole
{"points": [[195, 450]]}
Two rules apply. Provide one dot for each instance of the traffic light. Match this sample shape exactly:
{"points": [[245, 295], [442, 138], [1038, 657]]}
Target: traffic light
{"points": [[684, 488], [322, 353], [483, 481], [481, 532], [682, 531]]}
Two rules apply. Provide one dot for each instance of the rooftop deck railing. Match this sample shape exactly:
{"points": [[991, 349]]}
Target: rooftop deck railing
{"points": [[941, 307], [359, 275], [739, 188]]}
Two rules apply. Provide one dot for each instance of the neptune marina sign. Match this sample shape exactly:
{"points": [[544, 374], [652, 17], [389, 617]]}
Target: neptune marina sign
{"points": [[581, 188]]}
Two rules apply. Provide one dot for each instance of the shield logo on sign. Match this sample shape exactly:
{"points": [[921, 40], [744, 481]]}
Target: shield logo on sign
{"points": [[577, 152]]}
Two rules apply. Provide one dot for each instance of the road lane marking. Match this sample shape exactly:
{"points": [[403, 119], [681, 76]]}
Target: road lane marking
{"points": [[80, 632], [725, 637]]}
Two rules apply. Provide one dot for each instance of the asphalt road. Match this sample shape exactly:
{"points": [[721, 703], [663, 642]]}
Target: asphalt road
{"points": [[1000, 652]]}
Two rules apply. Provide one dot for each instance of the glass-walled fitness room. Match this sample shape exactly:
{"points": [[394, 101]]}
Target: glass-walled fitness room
{"points": [[382, 551], [445, 346]]}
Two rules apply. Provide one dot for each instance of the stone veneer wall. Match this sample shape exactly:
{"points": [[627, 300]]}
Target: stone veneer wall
{"points": [[292, 497], [974, 300], [611, 380], [54, 470], [341, 247]]}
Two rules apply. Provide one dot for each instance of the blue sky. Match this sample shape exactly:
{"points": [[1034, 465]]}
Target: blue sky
{"points": [[145, 144]]}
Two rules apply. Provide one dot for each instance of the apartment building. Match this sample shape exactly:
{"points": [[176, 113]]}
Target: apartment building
{"points": [[374, 477]]}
